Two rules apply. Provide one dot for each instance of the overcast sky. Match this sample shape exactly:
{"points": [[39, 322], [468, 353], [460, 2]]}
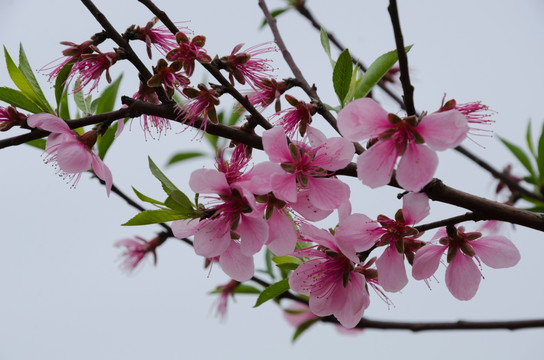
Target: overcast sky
{"points": [[63, 295]]}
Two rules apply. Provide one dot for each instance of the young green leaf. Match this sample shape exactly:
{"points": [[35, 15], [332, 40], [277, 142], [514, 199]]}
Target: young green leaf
{"points": [[146, 198], [18, 99], [154, 217], [376, 71], [104, 142], [326, 45], [39, 143], [20, 80], [540, 156], [272, 291], [520, 155], [303, 327], [80, 100], [26, 70], [184, 156], [106, 101], [274, 13], [288, 259], [529, 137], [341, 75], [61, 86], [178, 201], [167, 185]]}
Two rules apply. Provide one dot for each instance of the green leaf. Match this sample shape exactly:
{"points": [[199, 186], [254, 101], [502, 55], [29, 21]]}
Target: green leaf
{"points": [[519, 154], [341, 75], [154, 217], [167, 185], [106, 101], [287, 266], [326, 45], [274, 14], [272, 291], [303, 327], [146, 198], [184, 156], [529, 137], [288, 259], [540, 157], [18, 99], [39, 143], [178, 201], [376, 71], [60, 82], [105, 141], [241, 289], [80, 100], [20, 80], [26, 69]]}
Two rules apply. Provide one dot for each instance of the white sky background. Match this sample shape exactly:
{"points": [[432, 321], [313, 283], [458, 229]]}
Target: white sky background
{"points": [[63, 295]]}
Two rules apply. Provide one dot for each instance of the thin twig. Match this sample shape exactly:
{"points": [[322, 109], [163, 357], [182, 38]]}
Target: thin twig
{"points": [[407, 87]]}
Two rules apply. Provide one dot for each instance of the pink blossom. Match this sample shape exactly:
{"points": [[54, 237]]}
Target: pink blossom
{"points": [[462, 274], [366, 119], [90, 68], [10, 117], [161, 125], [72, 54], [246, 66], [71, 152], [476, 113], [137, 249], [200, 107], [297, 118], [226, 292], [306, 167], [266, 92], [188, 52], [334, 282], [160, 37], [169, 76], [401, 240]]}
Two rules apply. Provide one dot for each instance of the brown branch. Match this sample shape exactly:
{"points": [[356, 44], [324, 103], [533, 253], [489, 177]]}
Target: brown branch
{"points": [[309, 90], [407, 87], [449, 221], [128, 53], [243, 100], [304, 11]]}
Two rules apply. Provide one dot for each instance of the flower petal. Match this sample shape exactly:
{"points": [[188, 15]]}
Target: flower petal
{"points": [[253, 234], [336, 153], [184, 228], [73, 157], [415, 207], [49, 123], [356, 301], [282, 237], [275, 145], [463, 277], [426, 261], [496, 251], [375, 166], [443, 130], [391, 272], [208, 181], [416, 167], [235, 264], [212, 237], [362, 119], [327, 193], [102, 172], [305, 208], [355, 234]]}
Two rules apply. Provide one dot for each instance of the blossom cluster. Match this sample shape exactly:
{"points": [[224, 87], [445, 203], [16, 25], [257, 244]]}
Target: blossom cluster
{"points": [[276, 203]]}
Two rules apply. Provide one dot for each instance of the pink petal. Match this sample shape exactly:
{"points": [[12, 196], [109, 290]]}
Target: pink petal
{"points": [[258, 179], [275, 145], [305, 208], [102, 172], [391, 272], [334, 154], [327, 193], [320, 236], [284, 186], [212, 237], [415, 207], [184, 228], [253, 234], [315, 137], [120, 127], [49, 123], [301, 279], [208, 181], [282, 237], [426, 261], [496, 251], [73, 157], [356, 301], [375, 166], [443, 130], [416, 167], [362, 119], [463, 277], [235, 264], [355, 234]]}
